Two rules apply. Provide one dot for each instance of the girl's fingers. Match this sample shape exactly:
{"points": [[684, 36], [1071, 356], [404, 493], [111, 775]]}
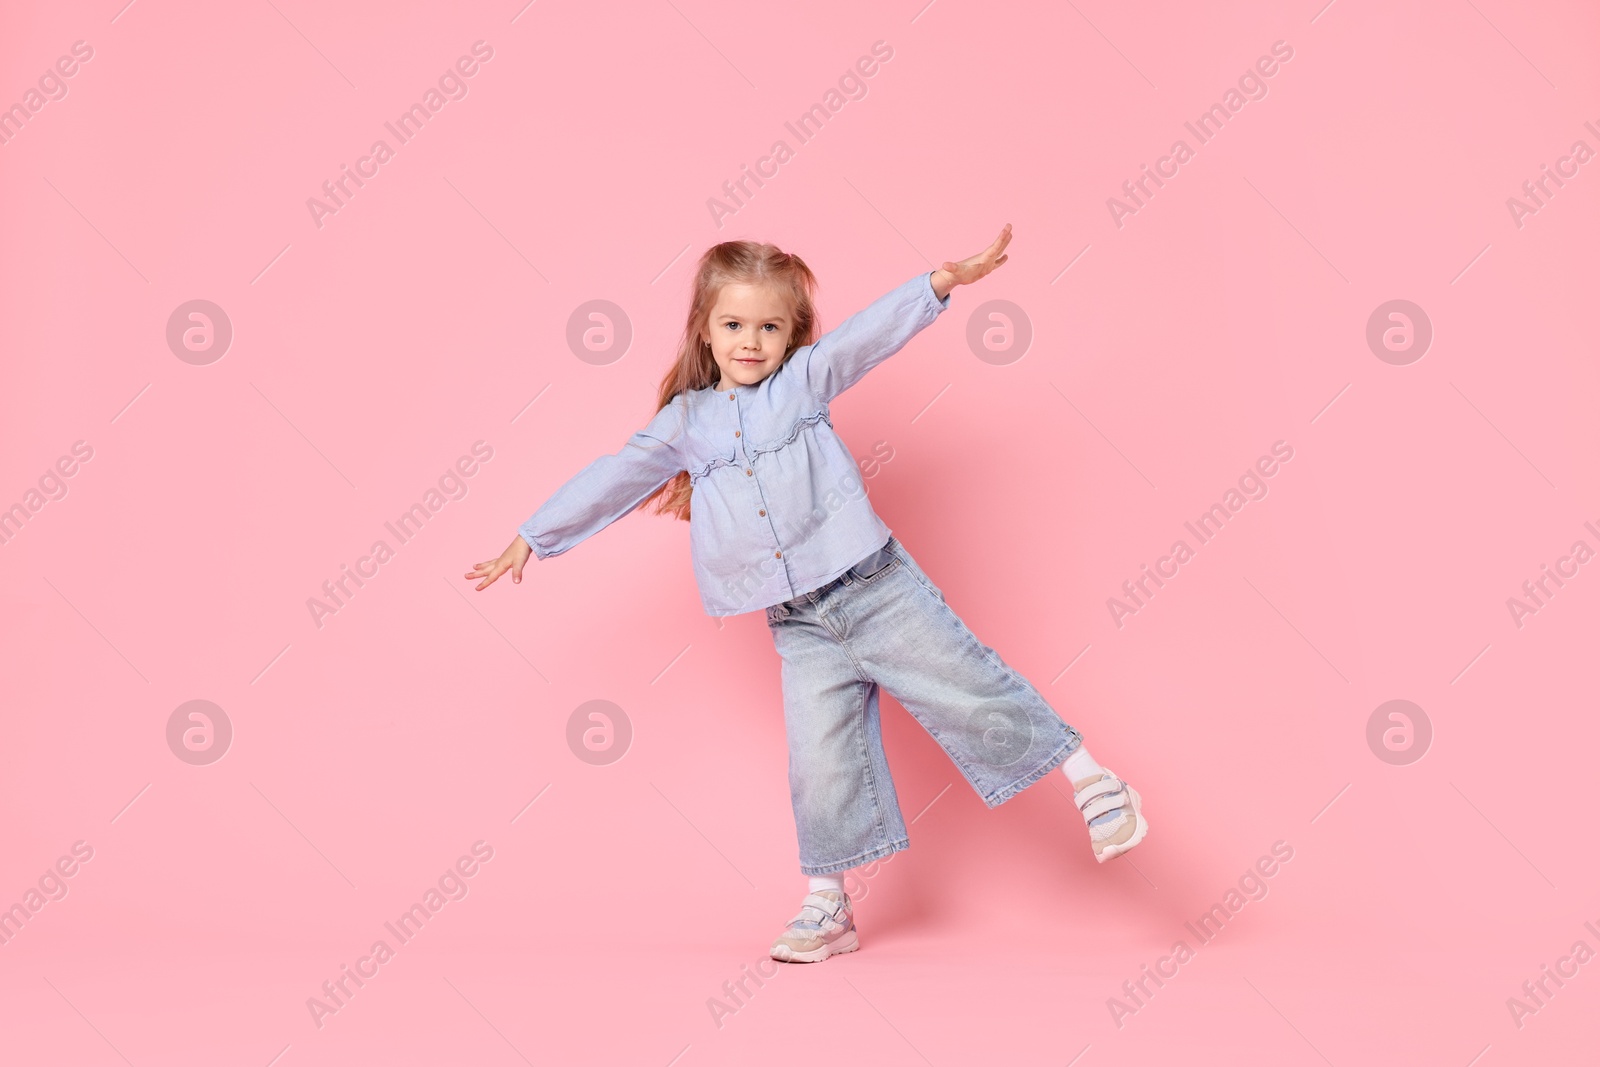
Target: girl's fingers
{"points": [[970, 270], [488, 570]]}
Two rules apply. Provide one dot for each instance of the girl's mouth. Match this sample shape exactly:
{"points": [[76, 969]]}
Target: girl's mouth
{"points": [[742, 360]]}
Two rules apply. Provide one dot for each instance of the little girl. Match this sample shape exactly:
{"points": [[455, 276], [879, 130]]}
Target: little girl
{"points": [[743, 442]]}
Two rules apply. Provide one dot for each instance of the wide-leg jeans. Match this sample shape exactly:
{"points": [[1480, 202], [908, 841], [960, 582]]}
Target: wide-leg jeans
{"points": [[884, 623]]}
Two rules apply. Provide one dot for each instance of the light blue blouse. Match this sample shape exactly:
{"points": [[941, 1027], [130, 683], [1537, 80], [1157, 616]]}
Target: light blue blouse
{"points": [[778, 506]]}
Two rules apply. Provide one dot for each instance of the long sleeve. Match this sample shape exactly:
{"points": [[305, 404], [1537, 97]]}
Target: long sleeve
{"points": [[843, 355], [610, 487]]}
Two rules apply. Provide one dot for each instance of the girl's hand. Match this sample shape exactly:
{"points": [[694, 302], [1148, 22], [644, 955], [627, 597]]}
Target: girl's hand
{"points": [[515, 555], [972, 268]]}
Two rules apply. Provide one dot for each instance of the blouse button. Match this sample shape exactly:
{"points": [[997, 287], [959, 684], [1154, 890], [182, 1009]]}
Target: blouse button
{"points": [[747, 470], [736, 433], [730, 396], [763, 511], [778, 554]]}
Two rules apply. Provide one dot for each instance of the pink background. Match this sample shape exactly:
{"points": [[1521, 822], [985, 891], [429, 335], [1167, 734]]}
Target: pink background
{"points": [[368, 354]]}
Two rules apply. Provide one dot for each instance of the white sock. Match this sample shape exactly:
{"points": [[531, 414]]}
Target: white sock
{"points": [[833, 881], [1080, 765]]}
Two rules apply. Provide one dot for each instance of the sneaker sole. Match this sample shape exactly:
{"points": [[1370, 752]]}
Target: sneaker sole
{"points": [[847, 943], [1140, 826]]}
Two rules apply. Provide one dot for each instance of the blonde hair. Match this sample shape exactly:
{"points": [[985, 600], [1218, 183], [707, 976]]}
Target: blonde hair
{"points": [[740, 262]]}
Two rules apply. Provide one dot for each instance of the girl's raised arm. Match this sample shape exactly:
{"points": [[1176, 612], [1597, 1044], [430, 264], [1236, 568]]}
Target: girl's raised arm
{"points": [[842, 356], [610, 487]]}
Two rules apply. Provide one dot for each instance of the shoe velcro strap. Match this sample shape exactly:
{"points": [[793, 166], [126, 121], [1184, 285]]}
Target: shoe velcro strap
{"points": [[1101, 788], [1102, 805], [825, 908], [816, 917]]}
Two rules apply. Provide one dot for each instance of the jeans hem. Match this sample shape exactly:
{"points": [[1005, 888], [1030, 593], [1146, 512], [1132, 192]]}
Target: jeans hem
{"points": [[1000, 796], [898, 845]]}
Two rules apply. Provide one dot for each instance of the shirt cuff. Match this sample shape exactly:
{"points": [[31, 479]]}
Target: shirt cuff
{"points": [[539, 551]]}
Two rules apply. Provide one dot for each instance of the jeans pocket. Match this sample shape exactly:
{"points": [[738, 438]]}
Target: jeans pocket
{"points": [[914, 570], [875, 566]]}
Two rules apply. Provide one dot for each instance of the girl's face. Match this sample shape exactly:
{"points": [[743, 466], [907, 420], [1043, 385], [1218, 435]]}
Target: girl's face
{"points": [[749, 333]]}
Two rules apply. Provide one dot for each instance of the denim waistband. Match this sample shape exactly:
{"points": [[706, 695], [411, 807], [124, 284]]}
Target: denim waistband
{"points": [[847, 577], [782, 609]]}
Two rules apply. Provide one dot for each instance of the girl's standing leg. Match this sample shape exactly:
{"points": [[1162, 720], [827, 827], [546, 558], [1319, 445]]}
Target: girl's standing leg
{"points": [[845, 809]]}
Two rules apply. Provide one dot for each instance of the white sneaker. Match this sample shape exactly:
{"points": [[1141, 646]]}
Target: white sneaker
{"points": [[1111, 808], [825, 925]]}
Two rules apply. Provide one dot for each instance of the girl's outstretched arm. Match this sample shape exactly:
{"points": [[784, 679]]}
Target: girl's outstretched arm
{"points": [[842, 356], [597, 496]]}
